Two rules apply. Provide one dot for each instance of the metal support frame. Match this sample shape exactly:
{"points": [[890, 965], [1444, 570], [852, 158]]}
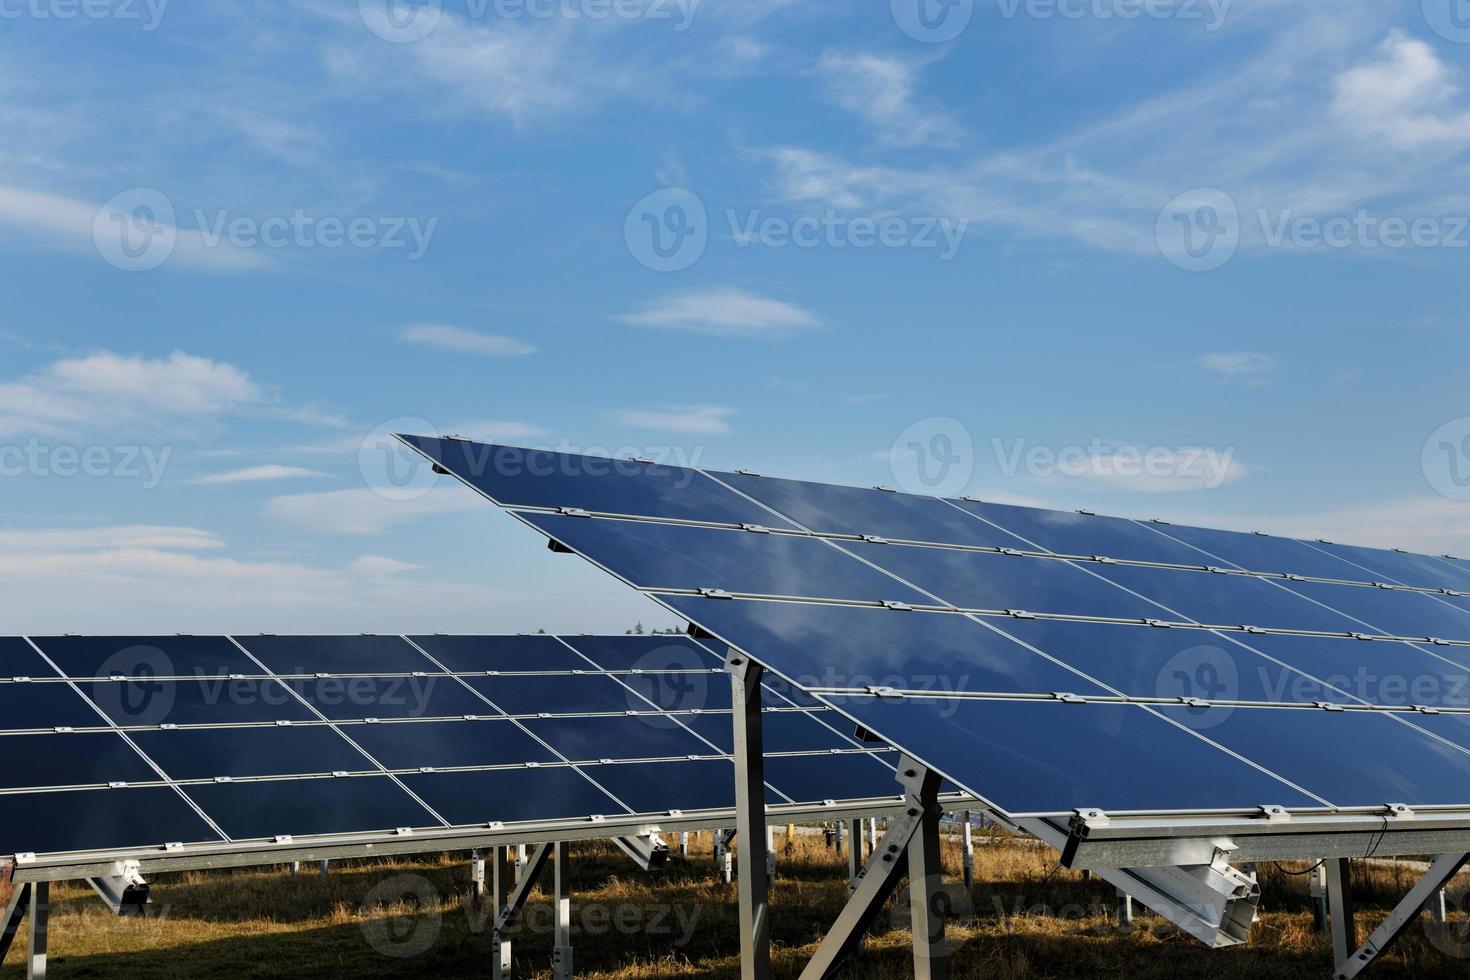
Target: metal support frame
{"points": [[750, 816], [1318, 892], [1343, 912], [684, 845], [31, 902], [913, 834], [477, 877], [771, 854], [650, 852], [968, 854], [1125, 910], [502, 881], [561, 952], [854, 853], [125, 893], [1350, 964], [724, 860]]}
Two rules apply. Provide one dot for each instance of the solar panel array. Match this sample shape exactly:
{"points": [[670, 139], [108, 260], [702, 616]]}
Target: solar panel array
{"points": [[112, 743], [1044, 661]]}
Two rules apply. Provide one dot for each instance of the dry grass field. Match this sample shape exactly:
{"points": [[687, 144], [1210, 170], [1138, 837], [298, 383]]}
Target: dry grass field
{"points": [[1026, 918]]}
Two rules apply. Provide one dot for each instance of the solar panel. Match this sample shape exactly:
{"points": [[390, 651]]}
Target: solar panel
{"points": [[1045, 661], [202, 741]]}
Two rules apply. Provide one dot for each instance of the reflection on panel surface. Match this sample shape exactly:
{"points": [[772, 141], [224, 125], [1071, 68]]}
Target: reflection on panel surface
{"points": [[511, 795], [236, 752], [146, 656], [102, 819], [300, 807], [73, 758], [1049, 757], [491, 653]]}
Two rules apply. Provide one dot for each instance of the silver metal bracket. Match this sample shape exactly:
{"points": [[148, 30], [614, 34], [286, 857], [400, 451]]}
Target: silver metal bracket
{"points": [[650, 853], [125, 893]]}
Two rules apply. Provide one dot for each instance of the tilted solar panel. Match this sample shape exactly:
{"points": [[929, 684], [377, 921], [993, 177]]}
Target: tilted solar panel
{"points": [[1046, 662], [115, 743]]}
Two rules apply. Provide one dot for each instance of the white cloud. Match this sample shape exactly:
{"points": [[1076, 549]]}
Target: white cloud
{"points": [[683, 419], [880, 90], [106, 389], [496, 432], [1242, 364], [69, 223], [257, 474], [723, 313], [1148, 469], [363, 511], [380, 567], [1400, 95], [125, 537], [464, 341], [1428, 525]]}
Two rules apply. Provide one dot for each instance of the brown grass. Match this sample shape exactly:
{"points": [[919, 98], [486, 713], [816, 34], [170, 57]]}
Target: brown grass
{"points": [[1026, 918]]}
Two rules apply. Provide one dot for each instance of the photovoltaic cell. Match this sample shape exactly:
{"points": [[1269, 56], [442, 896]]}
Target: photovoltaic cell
{"points": [[1262, 553], [97, 820], [146, 656], [836, 777], [829, 509], [45, 706], [18, 659], [337, 654], [494, 653], [74, 759], [1038, 757], [512, 795], [1383, 673], [594, 739], [1227, 600], [1068, 533], [300, 807], [1394, 613], [448, 744], [515, 477], [341, 698], [1421, 571], [199, 701], [235, 752], [530, 695], [658, 787], [645, 652], [783, 731]]}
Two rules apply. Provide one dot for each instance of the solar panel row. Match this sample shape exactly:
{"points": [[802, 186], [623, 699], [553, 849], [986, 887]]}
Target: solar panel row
{"points": [[114, 742], [1053, 644]]}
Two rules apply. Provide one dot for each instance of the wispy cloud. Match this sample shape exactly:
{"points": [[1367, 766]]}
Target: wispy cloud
{"points": [[682, 419], [1403, 95], [257, 474], [723, 313], [362, 511], [880, 90], [1240, 365], [463, 341]]}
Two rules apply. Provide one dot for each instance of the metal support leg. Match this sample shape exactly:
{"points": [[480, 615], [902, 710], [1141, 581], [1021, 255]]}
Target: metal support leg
{"points": [[1340, 905], [969, 851], [837, 836], [295, 868], [501, 882], [477, 877], [324, 868], [39, 913], [561, 954], [15, 913], [750, 811], [873, 836], [1319, 898], [854, 852], [915, 833], [1125, 910], [684, 845], [1439, 874], [771, 855]]}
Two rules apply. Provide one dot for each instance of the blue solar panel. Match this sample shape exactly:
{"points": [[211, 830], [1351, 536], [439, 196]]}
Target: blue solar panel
{"points": [[783, 731], [45, 706], [1408, 614], [587, 694], [1262, 553], [1032, 757], [1391, 674], [1421, 571], [515, 477], [658, 787], [672, 556], [209, 753], [448, 744], [593, 739], [512, 795], [342, 698], [1069, 533], [146, 656], [74, 758], [645, 652], [201, 701], [97, 820], [337, 654], [1228, 600], [19, 659], [496, 653], [831, 509], [298, 807], [859, 775]]}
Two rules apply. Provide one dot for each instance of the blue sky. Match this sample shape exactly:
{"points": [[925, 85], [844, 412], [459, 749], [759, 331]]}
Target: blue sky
{"points": [[1202, 260]]}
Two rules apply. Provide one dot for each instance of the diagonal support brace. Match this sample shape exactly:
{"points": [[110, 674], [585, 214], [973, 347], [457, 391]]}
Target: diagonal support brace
{"points": [[911, 847], [1440, 872], [15, 913], [650, 852]]}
